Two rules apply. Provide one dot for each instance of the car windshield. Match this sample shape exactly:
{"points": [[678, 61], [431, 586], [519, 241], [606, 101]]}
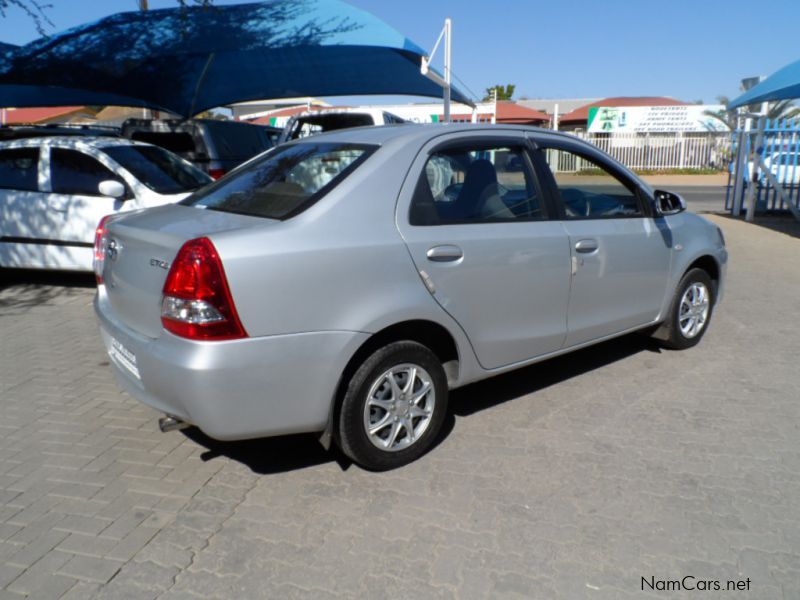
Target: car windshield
{"points": [[159, 169], [284, 181]]}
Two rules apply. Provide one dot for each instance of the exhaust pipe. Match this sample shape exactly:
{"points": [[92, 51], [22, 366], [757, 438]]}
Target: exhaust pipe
{"points": [[170, 423]]}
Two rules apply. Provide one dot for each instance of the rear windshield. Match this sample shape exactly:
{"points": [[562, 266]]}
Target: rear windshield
{"points": [[160, 170], [285, 181]]}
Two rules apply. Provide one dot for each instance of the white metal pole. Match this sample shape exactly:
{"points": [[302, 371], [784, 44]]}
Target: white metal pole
{"points": [[448, 57], [555, 117], [755, 160]]}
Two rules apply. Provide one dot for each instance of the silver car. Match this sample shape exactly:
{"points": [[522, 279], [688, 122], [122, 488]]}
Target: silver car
{"points": [[343, 284]]}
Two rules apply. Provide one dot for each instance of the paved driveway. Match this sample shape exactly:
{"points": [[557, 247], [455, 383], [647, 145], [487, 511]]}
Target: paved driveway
{"points": [[575, 478]]}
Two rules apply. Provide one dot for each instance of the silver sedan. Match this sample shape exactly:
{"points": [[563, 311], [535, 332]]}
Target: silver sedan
{"points": [[345, 283]]}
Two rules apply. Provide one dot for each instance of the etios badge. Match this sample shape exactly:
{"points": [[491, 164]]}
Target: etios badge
{"points": [[155, 262]]}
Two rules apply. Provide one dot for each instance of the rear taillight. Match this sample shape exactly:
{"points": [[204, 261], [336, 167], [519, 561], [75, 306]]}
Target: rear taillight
{"points": [[100, 248], [197, 302], [216, 173]]}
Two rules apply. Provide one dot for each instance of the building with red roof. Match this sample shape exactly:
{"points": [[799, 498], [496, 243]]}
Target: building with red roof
{"points": [[41, 115], [579, 118]]}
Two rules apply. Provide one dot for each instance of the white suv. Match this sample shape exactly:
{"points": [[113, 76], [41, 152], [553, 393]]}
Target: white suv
{"points": [[55, 190]]}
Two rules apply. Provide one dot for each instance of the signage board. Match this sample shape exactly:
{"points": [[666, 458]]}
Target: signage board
{"points": [[654, 119]]}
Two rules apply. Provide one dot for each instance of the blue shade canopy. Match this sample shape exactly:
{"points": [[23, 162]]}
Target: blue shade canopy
{"points": [[781, 85], [186, 60]]}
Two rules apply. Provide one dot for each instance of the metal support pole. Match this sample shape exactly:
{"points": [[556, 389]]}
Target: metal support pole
{"points": [[448, 57], [755, 160], [738, 173], [446, 81]]}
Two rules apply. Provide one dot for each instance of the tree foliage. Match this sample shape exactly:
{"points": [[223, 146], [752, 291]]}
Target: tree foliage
{"points": [[37, 10], [504, 92]]}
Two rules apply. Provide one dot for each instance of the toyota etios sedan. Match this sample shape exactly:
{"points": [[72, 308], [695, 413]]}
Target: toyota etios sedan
{"points": [[343, 284]]}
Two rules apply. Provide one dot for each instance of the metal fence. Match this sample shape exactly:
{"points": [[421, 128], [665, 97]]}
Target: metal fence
{"points": [[779, 148], [659, 151]]}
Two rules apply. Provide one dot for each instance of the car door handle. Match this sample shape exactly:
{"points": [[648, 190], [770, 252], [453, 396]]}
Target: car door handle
{"points": [[586, 246], [447, 253]]}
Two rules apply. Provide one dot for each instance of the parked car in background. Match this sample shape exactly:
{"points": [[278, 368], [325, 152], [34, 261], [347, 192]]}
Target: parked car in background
{"points": [[346, 282], [215, 146], [314, 122], [55, 190], [18, 132], [784, 165]]}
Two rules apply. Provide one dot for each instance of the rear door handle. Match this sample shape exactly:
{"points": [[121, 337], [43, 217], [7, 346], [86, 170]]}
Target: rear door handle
{"points": [[586, 246], [446, 253]]}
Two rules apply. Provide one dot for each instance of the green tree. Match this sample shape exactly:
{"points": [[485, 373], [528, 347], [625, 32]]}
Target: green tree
{"points": [[729, 118], [504, 92]]}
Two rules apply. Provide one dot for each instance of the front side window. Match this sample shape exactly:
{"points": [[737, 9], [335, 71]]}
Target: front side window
{"points": [[19, 169], [284, 181], [159, 169], [587, 189], [73, 172], [476, 184]]}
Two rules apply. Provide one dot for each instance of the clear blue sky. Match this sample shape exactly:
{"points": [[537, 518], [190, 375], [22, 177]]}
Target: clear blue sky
{"points": [[691, 50]]}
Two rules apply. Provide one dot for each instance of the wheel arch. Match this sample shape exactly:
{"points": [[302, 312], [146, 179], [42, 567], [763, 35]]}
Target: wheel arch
{"points": [[709, 264], [431, 334]]}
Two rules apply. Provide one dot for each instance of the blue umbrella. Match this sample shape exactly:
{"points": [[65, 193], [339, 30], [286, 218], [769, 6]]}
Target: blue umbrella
{"points": [[781, 85], [186, 60]]}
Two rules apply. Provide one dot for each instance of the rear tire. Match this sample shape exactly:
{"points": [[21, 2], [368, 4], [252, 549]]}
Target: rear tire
{"points": [[690, 311], [394, 407]]}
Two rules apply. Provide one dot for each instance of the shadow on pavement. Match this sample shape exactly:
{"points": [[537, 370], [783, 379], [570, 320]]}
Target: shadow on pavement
{"points": [[487, 393], [270, 455], [24, 288], [785, 224], [288, 453]]}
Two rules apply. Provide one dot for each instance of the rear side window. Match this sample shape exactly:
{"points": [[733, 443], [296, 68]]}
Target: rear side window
{"points": [[477, 184], [72, 172], [19, 169], [285, 181]]}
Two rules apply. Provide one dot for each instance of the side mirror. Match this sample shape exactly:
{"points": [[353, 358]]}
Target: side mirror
{"points": [[669, 203], [112, 189]]}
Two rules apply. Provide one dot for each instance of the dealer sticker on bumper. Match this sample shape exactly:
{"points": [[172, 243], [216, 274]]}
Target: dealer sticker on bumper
{"points": [[124, 357]]}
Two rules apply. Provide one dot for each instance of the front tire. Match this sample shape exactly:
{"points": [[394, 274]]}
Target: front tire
{"points": [[690, 312], [394, 407]]}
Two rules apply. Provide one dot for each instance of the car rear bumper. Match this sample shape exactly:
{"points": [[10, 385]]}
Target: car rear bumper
{"points": [[235, 389]]}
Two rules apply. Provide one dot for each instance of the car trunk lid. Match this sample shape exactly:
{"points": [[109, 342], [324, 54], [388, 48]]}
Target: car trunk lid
{"points": [[142, 247]]}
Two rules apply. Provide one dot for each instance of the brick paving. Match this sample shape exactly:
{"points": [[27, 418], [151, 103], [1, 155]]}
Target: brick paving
{"points": [[571, 479]]}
